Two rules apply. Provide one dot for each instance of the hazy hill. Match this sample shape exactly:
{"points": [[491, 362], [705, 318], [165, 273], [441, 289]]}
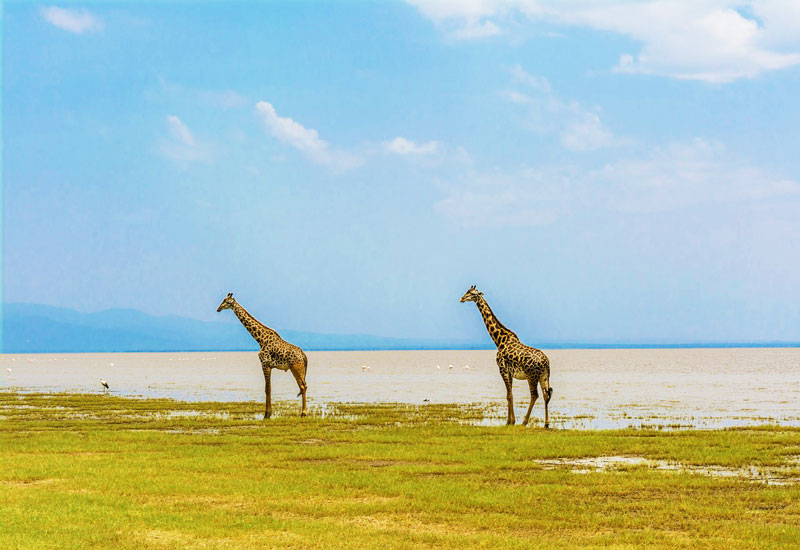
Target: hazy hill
{"points": [[33, 328]]}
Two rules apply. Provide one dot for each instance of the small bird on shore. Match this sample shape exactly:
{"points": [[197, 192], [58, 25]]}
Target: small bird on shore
{"points": [[466, 367], [364, 368], [450, 367], [438, 367], [104, 383], [8, 371]]}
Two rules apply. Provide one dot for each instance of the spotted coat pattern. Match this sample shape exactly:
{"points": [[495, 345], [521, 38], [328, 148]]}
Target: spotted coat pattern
{"points": [[515, 359], [275, 353]]}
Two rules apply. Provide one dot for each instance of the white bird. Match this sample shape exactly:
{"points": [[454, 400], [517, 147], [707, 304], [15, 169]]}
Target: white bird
{"points": [[466, 367], [111, 364], [450, 367], [8, 371], [104, 383], [438, 367], [365, 368]]}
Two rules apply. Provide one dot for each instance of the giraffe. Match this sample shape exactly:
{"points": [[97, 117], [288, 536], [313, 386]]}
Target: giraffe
{"points": [[276, 353], [515, 359]]}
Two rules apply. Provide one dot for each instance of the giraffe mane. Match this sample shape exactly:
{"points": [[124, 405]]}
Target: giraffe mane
{"points": [[253, 317], [498, 321]]}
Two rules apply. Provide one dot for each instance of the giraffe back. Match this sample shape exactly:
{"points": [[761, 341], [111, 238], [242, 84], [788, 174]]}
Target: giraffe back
{"points": [[524, 362]]}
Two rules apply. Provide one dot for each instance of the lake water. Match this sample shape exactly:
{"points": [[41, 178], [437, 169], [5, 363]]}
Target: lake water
{"points": [[668, 388]]}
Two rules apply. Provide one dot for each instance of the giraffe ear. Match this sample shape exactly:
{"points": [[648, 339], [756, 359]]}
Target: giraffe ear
{"points": [[480, 293]]}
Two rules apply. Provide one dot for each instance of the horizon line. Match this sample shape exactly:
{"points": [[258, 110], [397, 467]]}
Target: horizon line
{"points": [[548, 346]]}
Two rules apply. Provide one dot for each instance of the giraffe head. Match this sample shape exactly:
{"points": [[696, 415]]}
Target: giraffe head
{"points": [[227, 302], [471, 295]]}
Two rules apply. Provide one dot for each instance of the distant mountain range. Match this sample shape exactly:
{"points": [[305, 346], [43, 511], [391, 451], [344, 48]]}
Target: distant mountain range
{"points": [[34, 328]]}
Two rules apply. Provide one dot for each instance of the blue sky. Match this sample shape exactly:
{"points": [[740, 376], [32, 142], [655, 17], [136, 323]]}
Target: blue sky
{"points": [[609, 172]]}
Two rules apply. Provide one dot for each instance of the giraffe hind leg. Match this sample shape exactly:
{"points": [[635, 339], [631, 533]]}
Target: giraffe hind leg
{"points": [[298, 370], [547, 390], [534, 396]]}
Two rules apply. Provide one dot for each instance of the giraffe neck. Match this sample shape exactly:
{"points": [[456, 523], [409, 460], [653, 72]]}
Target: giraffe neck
{"points": [[497, 330], [253, 326]]}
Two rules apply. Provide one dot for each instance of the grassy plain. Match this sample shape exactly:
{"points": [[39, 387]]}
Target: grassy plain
{"points": [[97, 471]]}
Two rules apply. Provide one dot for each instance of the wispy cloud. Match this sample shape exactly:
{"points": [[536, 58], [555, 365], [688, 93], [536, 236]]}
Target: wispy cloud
{"points": [[182, 145], [403, 146], [463, 19], [578, 128], [305, 140], [683, 173], [522, 198], [180, 131], [473, 29], [662, 178], [224, 99], [709, 40], [75, 21]]}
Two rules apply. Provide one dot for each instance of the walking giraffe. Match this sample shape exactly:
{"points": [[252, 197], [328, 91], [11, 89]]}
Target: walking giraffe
{"points": [[515, 359], [276, 353]]}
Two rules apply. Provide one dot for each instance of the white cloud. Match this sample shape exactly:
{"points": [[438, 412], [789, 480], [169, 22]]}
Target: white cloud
{"points": [[539, 83], [524, 198], [182, 145], [709, 40], [73, 21], [403, 146], [468, 19], [678, 175], [476, 29], [586, 134], [179, 130], [305, 140], [579, 128]]}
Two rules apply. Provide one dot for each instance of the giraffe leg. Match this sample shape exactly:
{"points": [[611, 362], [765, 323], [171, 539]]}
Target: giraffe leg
{"points": [[267, 383], [507, 380], [534, 395], [299, 376], [548, 393], [510, 398]]}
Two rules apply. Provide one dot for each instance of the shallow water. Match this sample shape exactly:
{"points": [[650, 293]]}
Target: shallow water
{"points": [[661, 388]]}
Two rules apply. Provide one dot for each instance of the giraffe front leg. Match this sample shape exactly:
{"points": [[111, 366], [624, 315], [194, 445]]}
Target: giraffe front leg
{"points": [[265, 366], [510, 398], [268, 392], [507, 380]]}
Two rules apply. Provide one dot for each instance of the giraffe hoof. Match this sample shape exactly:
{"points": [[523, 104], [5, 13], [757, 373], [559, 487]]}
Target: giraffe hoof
{"points": [[546, 425]]}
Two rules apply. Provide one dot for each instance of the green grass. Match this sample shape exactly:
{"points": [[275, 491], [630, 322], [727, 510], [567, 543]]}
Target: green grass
{"points": [[93, 471]]}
